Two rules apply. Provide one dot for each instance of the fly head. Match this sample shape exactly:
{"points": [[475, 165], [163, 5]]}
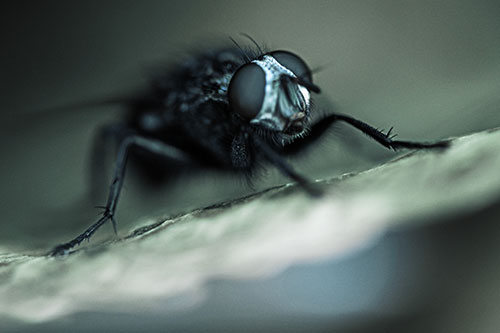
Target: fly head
{"points": [[273, 92]]}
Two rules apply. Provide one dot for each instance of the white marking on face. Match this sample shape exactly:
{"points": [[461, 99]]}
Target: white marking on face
{"points": [[268, 115]]}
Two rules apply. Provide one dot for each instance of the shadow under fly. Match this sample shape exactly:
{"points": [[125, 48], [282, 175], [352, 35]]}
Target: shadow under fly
{"points": [[234, 110]]}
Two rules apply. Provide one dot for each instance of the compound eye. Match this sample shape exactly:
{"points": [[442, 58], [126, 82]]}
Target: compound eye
{"points": [[294, 63], [246, 91]]}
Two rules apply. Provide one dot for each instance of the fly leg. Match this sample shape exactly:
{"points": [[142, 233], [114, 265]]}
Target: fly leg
{"points": [[282, 165], [104, 144], [385, 139], [152, 145], [318, 129]]}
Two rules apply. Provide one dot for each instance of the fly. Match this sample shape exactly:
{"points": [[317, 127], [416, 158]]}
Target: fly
{"points": [[232, 110]]}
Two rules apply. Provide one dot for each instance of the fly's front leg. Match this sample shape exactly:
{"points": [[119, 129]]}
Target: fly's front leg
{"points": [[385, 139], [148, 144]]}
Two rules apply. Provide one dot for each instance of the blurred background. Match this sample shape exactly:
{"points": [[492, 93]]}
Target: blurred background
{"points": [[431, 69]]}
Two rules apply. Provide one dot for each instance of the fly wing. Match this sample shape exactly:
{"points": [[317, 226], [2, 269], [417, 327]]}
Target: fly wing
{"points": [[126, 100], [130, 98]]}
